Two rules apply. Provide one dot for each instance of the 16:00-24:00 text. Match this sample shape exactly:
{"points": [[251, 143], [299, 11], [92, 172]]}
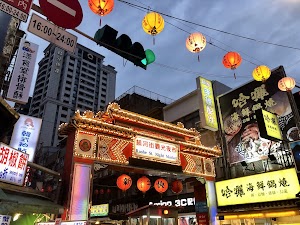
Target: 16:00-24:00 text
{"points": [[48, 30]]}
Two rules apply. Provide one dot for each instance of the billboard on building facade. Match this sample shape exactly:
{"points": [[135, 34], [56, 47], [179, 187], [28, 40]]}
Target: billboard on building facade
{"points": [[238, 119], [26, 134], [20, 83]]}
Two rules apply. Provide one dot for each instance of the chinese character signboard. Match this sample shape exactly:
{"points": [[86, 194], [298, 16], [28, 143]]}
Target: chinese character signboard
{"points": [[5, 219], [159, 151], [99, 210], [25, 135], [266, 187], [239, 123], [268, 125], [208, 115], [17, 8], [12, 165], [23, 71]]}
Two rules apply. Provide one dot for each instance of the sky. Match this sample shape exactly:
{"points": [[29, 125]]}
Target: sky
{"points": [[175, 70]]}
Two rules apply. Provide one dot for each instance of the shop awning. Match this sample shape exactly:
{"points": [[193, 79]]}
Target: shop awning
{"points": [[13, 202]]}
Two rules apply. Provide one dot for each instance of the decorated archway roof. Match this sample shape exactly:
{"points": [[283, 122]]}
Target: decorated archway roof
{"points": [[126, 124]]}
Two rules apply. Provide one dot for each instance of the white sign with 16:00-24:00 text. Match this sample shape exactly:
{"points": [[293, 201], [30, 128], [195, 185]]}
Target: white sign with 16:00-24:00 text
{"points": [[52, 33]]}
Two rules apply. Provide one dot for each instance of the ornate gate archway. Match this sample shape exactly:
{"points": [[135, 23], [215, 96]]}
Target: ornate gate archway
{"points": [[122, 138]]}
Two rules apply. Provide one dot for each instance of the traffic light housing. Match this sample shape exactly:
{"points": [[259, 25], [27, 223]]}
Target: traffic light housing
{"points": [[107, 37]]}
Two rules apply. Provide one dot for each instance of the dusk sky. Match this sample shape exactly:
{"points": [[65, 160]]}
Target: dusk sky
{"points": [[175, 70]]}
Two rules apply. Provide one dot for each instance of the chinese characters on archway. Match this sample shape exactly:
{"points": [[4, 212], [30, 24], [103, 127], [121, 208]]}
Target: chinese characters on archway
{"points": [[155, 149], [12, 165]]}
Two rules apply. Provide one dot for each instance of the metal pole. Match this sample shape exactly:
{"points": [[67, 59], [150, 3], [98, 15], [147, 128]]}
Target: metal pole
{"points": [[294, 109], [44, 169]]}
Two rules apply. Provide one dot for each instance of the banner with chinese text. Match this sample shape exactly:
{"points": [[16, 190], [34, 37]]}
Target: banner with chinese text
{"points": [[239, 124], [13, 165], [20, 83], [208, 113], [26, 134], [266, 187]]}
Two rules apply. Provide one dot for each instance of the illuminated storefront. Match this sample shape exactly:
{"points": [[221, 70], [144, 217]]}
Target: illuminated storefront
{"points": [[271, 195], [258, 121]]}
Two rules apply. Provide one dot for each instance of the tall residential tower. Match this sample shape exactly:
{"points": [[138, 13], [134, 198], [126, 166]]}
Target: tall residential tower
{"points": [[67, 82]]}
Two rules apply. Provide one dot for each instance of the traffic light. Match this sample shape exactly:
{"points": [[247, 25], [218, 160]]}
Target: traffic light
{"points": [[107, 37], [150, 57]]}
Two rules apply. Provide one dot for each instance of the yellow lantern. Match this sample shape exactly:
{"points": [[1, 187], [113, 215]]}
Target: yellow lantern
{"points": [[286, 84], [153, 23], [261, 73]]}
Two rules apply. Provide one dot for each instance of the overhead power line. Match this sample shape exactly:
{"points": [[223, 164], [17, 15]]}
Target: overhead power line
{"points": [[211, 28]]}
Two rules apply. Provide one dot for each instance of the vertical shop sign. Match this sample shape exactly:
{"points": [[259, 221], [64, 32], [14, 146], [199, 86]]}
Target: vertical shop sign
{"points": [[208, 114], [26, 134], [268, 125], [23, 71]]}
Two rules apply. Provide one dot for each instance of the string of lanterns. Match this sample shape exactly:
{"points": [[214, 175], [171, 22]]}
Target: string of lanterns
{"points": [[161, 185], [153, 23]]}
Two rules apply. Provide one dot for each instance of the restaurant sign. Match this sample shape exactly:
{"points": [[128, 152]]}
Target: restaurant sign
{"points": [[208, 113], [99, 210], [13, 165], [266, 187], [268, 125], [156, 150]]}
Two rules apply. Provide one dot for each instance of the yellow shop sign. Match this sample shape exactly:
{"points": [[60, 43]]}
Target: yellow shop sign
{"points": [[266, 187]]}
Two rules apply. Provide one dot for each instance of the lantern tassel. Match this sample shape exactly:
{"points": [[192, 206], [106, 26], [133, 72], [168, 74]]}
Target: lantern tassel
{"points": [[198, 58], [100, 22], [153, 40], [234, 75]]}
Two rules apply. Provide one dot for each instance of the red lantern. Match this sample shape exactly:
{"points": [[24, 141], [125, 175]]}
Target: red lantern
{"points": [[143, 184], [96, 192], [101, 7], [108, 191], [101, 191], [286, 84], [124, 182], [161, 185], [177, 186], [232, 60]]}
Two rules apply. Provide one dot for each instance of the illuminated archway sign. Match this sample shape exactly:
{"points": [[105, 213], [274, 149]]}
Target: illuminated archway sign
{"points": [[119, 137]]}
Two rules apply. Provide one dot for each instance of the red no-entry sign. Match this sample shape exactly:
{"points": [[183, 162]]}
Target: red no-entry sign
{"points": [[63, 13]]}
